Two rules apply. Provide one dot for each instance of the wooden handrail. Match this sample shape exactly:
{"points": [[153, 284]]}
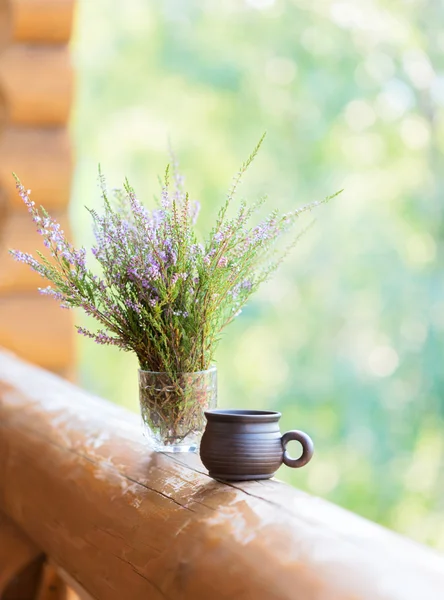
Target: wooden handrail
{"points": [[126, 523]]}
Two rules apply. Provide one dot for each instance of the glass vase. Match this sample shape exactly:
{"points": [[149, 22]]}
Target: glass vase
{"points": [[172, 407]]}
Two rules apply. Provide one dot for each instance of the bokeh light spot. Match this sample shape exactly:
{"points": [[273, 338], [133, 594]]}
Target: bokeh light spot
{"points": [[280, 70], [383, 361]]}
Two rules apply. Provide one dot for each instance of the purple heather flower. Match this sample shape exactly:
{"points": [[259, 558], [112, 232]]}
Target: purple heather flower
{"points": [[196, 249], [29, 260], [153, 271], [100, 337], [194, 211], [208, 258], [165, 198], [179, 181], [49, 291], [135, 306], [178, 276], [158, 218], [261, 232], [246, 284], [53, 236]]}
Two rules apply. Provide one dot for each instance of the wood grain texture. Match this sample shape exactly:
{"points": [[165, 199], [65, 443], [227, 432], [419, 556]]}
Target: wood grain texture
{"points": [[19, 232], [41, 21], [37, 329], [36, 83], [16, 551], [42, 160], [126, 522]]}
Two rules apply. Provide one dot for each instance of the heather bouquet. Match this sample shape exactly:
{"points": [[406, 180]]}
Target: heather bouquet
{"points": [[162, 292]]}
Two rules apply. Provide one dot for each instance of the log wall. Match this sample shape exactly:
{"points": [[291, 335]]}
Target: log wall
{"points": [[36, 82]]}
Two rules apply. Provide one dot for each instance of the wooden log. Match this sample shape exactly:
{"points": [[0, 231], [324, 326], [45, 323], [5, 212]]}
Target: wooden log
{"points": [[41, 21], [75, 591], [3, 108], [5, 24], [37, 329], [19, 233], [52, 586], [3, 211], [36, 82], [16, 553], [126, 522], [42, 160], [24, 586]]}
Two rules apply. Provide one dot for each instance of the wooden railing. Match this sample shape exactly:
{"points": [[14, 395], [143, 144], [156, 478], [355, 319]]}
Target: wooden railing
{"points": [[84, 499]]}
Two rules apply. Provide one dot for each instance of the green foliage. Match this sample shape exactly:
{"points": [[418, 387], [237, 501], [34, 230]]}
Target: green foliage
{"points": [[162, 294], [347, 341]]}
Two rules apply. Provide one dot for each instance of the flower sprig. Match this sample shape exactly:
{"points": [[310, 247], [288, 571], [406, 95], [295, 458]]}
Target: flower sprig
{"points": [[162, 293]]}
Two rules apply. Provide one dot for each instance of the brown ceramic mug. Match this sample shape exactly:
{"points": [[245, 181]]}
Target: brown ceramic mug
{"points": [[238, 445]]}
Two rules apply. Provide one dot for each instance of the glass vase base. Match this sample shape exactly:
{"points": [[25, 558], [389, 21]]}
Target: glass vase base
{"points": [[189, 444]]}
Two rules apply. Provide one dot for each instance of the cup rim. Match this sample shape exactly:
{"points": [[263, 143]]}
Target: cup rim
{"points": [[242, 415]]}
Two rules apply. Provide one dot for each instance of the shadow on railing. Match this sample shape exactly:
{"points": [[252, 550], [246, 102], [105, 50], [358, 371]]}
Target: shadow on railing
{"points": [[90, 511]]}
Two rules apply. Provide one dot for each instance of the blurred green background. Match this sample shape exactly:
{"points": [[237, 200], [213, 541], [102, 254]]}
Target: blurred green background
{"points": [[347, 339]]}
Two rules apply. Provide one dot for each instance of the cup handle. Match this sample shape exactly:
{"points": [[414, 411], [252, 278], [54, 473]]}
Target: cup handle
{"points": [[307, 448]]}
